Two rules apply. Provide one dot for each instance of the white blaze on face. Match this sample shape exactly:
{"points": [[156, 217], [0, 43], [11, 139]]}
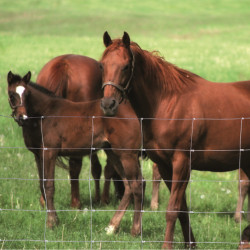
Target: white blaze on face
{"points": [[19, 91]]}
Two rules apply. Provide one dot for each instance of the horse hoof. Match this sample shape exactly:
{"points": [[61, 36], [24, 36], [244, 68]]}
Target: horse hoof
{"points": [[191, 245], [237, 219], [52, 222], [110, 230], [135, 232], [76, 204]]}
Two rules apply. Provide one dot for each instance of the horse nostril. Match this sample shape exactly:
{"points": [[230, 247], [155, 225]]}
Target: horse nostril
{"points": [[113, 103], [109, 106], [108, 103]]}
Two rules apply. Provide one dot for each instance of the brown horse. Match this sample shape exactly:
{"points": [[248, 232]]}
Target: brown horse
{"points": [[76, 129], [188, 122], [78, 78]]}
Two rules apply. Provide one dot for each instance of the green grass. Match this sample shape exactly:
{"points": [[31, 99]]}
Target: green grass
{"points": [[210, 38]]}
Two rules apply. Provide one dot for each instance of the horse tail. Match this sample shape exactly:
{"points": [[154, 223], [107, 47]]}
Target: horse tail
{"points": [[58, 79]]}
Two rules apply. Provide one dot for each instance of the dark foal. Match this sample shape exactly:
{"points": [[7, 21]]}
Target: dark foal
{"points": [[76, 129], [188, 122], [78, 78]]}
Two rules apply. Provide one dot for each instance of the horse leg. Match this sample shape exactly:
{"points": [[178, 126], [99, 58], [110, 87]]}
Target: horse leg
{"points": [[179, 174], [75, 165], [96, 171], [133, 174], [156, 185], [40, 173], [243, 188], [183, 217], [122, 170], [118, 183], [117, 217], [110, 173], [47, 185], [248, 202]]}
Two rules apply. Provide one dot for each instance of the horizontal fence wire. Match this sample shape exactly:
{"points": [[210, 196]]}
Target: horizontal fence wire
{"points": [[93, 149]]}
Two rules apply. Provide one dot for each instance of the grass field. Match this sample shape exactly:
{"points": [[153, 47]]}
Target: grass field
{"points": [[209, 37]]}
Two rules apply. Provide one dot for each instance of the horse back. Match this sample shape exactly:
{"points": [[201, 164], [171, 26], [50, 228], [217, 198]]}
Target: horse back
{"points": [[73, 77]]}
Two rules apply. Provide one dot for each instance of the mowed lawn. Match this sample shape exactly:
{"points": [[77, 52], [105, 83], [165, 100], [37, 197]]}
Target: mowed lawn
{"points": [[210, 38]]}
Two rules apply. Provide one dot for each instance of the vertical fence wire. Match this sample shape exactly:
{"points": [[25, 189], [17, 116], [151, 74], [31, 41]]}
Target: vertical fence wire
{"points": [[190, 181], [43, 180], [90, 195], [240, 150], [141, 167]]}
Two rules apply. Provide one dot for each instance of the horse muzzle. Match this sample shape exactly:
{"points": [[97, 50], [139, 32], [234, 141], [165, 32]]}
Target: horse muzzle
{"points": [[109, 106], [20, 119]]}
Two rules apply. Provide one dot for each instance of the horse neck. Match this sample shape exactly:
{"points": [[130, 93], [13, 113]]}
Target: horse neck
{"points": [[38, 103], [155, 83], [143, 98]]}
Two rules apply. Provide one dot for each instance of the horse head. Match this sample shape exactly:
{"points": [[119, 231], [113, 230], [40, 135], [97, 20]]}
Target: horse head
{"points": [[117, 66], [17, 95]]}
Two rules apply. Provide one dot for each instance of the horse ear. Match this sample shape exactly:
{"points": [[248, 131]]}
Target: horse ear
{"points": [[10, 77], [27, 77], [126, 39], [106, 39]]}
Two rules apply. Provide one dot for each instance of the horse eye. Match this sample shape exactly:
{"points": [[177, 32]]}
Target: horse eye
{"points": [[12, 100], [101, 66], [125, 67]]}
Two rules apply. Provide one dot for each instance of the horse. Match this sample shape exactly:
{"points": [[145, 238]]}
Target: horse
{"points": [[76, 129], [78, 78], [188, 122]]}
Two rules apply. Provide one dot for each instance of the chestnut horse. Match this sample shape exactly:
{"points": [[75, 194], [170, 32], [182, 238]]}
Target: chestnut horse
{"points": [[76, 129], [79, 78], [188, 122]]}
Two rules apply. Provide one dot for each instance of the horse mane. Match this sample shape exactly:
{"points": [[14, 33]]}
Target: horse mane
{"points": [[18, 78], [42, 89], [161, 73]]}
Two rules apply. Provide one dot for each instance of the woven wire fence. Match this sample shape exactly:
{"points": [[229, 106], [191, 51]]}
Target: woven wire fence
{"points": [[93, 239]]}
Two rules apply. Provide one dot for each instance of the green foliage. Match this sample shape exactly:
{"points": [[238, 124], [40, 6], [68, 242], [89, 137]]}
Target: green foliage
{"points": [[210, 38]]}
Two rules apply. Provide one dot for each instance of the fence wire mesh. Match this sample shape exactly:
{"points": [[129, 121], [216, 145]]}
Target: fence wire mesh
{"points": [[92, 239]]}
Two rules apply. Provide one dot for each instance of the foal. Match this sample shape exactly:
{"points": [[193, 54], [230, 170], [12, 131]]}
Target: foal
{"points": [[76, 129], [78, 78]]}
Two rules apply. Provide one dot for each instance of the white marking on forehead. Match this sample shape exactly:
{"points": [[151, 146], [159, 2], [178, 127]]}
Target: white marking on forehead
{"points": [[20, 90]]}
